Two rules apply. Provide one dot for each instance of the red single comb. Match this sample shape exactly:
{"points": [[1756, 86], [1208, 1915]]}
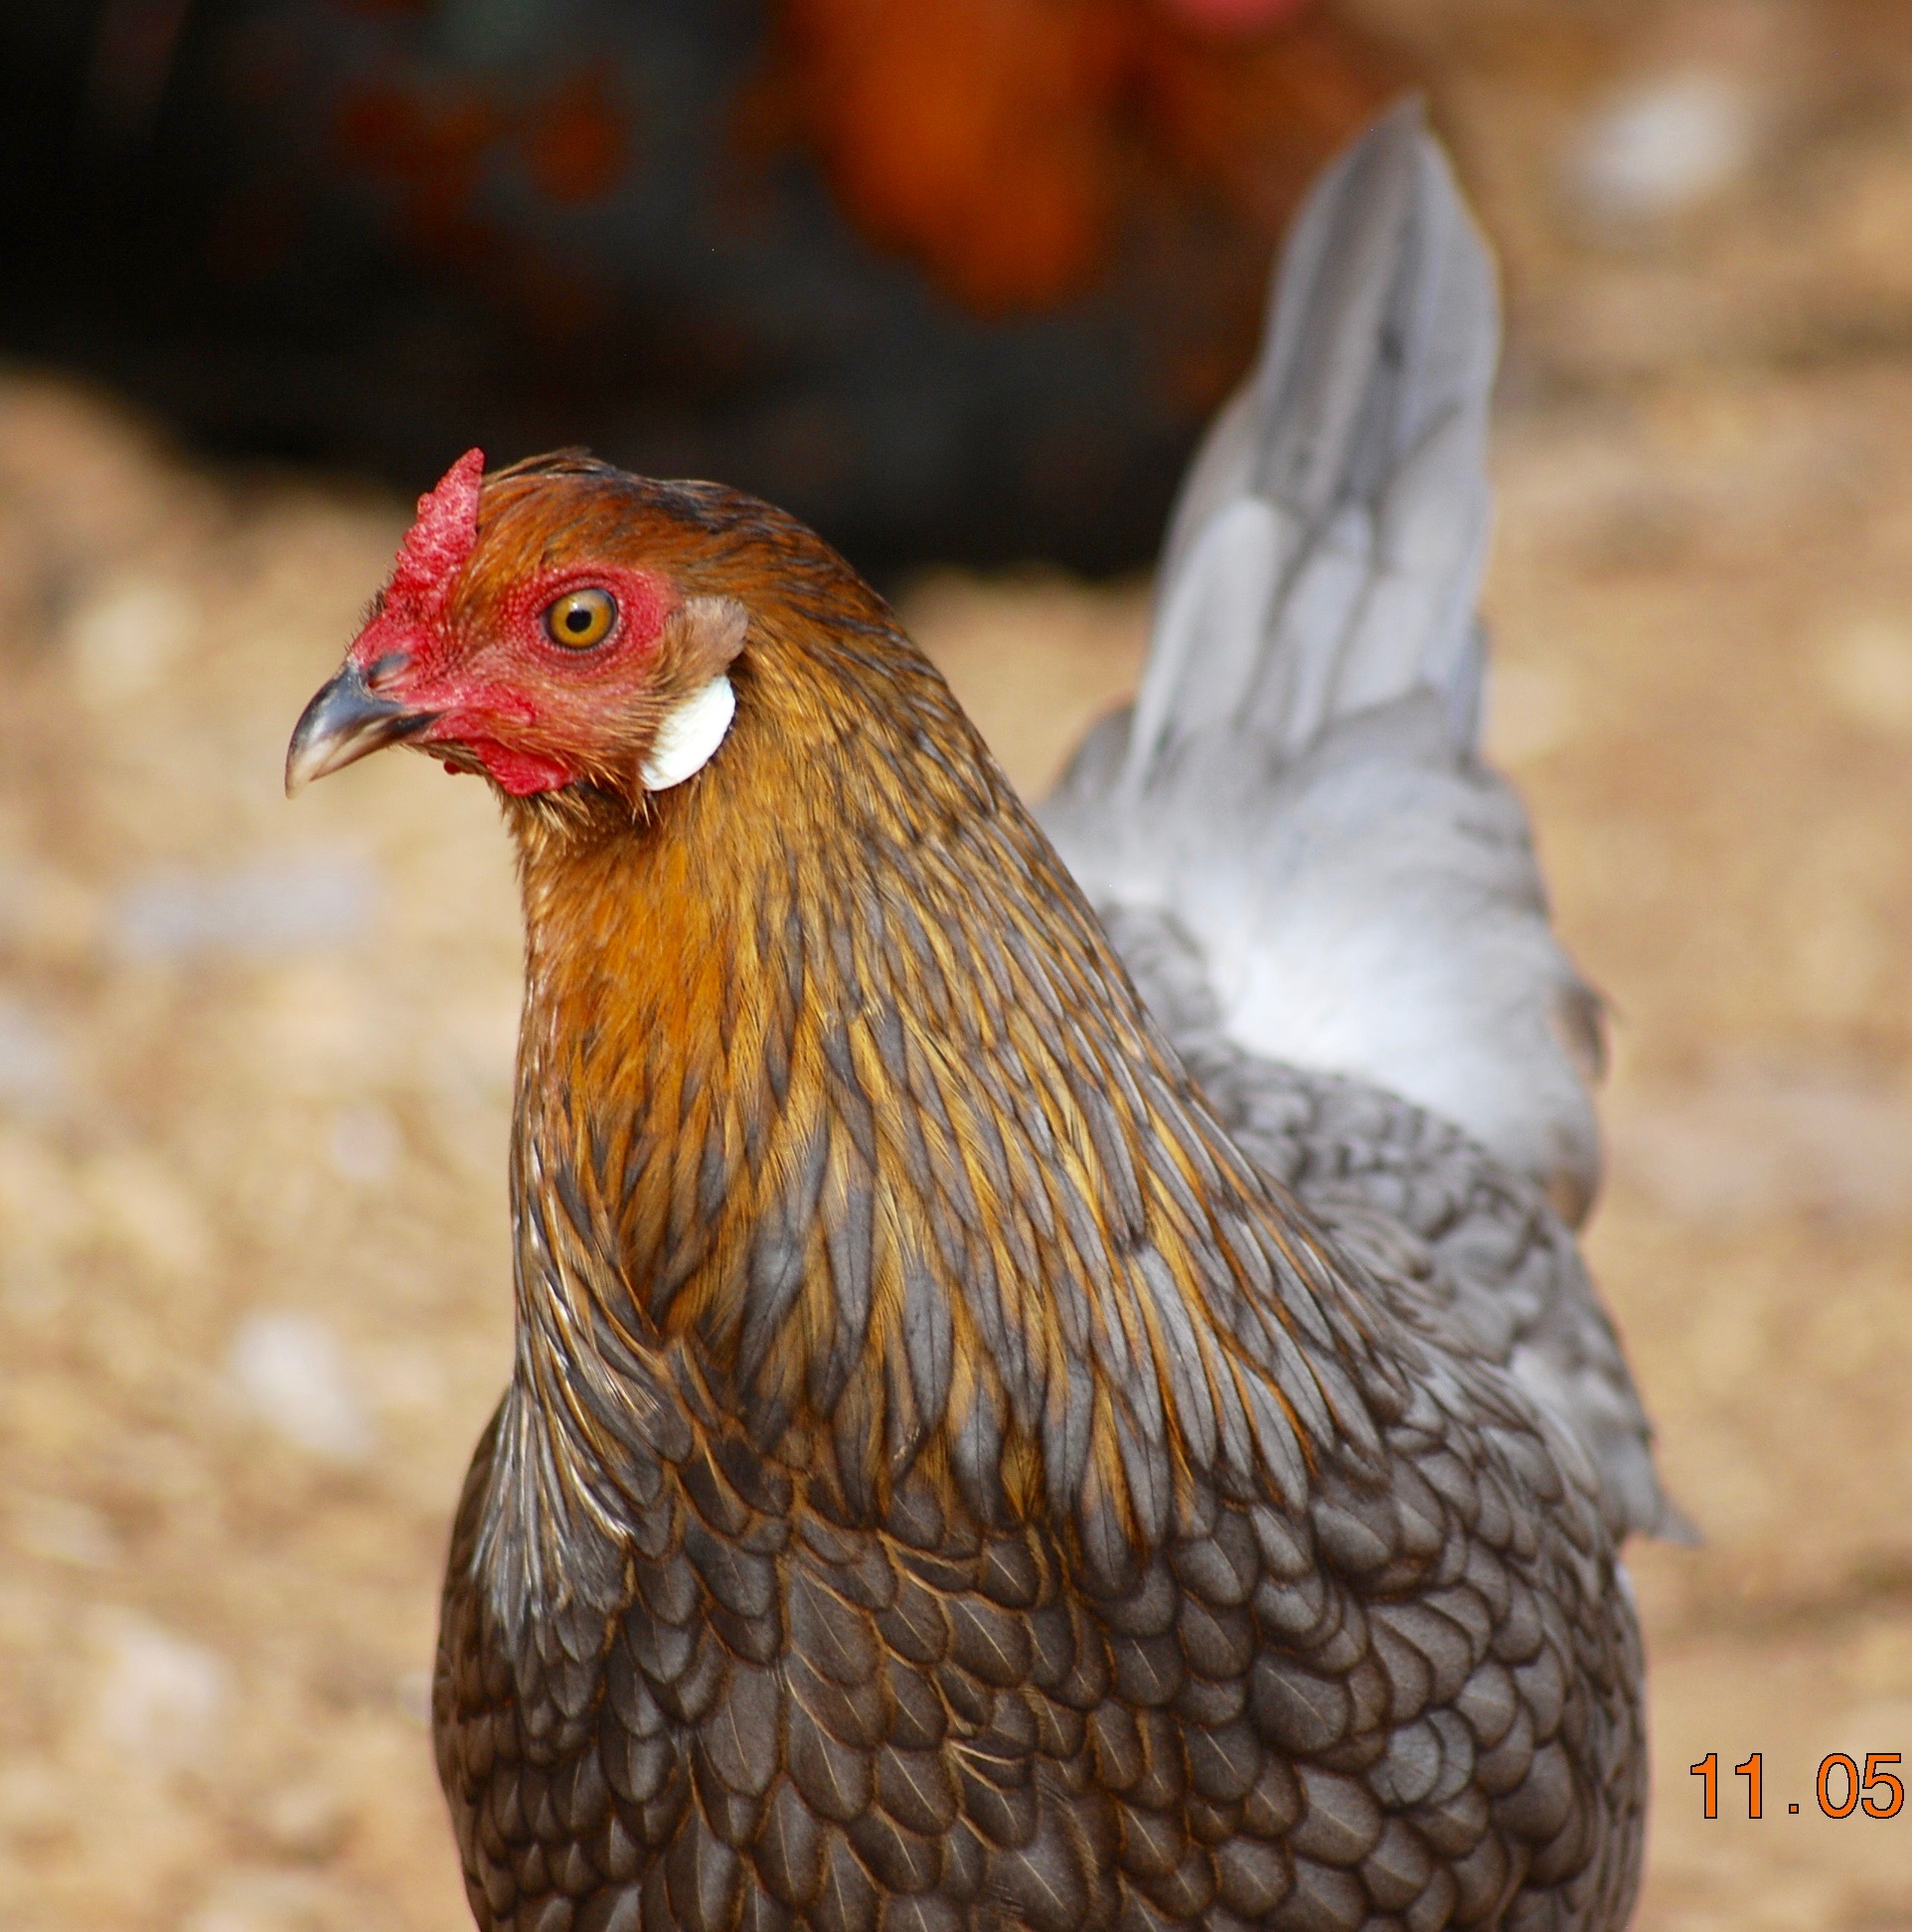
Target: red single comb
{"points": [[438, 543]]}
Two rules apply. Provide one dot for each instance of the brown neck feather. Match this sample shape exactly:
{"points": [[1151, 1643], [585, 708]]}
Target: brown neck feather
{"points": [[832, 1088]]}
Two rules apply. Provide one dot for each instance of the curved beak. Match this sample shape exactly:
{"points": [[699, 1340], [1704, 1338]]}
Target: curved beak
{"points": [[344, 721]]}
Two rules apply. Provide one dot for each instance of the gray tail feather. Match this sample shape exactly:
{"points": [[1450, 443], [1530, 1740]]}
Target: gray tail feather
{"points": [[1327, 547]]}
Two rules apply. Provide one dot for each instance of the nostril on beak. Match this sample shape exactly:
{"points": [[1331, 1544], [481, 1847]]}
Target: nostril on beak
{"points": [[344, 721], [386, 668]]}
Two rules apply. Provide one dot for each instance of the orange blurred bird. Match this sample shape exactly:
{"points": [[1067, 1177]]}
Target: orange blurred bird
{"points": [[1008, 1431]]}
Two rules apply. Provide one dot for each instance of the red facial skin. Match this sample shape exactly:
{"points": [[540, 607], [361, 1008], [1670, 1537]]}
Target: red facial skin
{"points": [[449, 640]]}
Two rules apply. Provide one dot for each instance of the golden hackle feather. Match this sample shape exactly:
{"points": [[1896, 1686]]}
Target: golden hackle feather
{"points": [[831, 1085]]}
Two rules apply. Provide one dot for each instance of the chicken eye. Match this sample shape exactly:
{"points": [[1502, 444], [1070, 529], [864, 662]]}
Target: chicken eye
{"points": [[581, 619]]}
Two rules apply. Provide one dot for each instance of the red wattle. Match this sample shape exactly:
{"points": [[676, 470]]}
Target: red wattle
{"points": [[521, 773]]}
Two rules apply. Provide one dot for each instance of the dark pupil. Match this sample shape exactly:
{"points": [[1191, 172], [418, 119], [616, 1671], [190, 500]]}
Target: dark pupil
{"points": [[579, 617]]}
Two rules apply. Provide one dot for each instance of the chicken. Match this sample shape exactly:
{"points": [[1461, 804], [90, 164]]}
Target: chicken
{"points": [[980, 1451], [1006, 145]]}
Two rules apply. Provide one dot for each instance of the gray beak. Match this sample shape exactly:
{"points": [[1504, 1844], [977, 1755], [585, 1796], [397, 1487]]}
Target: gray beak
{"points": [[344, 721]]}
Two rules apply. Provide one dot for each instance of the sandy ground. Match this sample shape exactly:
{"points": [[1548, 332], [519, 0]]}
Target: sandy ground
{"points": [[254, 1059]]}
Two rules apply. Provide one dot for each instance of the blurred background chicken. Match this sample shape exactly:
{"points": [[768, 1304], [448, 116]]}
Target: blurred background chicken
{"points": [[255, 1064], [962, 278]]}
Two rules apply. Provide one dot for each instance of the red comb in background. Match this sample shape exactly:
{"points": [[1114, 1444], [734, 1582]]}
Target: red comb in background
{"points": [[1235, 15], [1007, 144]]}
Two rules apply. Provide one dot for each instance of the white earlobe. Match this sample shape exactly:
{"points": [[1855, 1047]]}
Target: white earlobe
{"points": [[689, 735]]}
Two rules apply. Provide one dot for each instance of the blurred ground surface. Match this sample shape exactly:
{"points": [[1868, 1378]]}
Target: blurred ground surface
{"points": [[254, 1059]]}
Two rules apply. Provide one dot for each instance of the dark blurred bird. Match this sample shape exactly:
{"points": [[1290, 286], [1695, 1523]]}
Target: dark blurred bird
{"points": [[990, 1444], [961, 279]]}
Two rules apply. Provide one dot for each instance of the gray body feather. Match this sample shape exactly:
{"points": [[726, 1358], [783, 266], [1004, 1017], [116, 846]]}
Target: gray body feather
{"points": [[1329, 901]]}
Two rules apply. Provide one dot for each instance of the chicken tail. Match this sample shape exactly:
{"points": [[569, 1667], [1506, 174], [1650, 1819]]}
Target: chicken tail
{"points": [[1327, 543], [1297, 786]]}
